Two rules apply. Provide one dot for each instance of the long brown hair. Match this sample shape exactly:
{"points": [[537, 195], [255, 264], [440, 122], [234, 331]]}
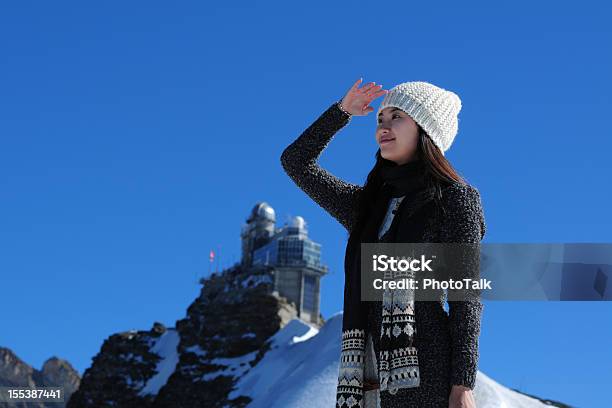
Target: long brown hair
{"points": [[438, 173]]}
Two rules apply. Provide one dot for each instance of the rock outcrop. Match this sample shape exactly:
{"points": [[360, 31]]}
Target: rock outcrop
{"points": [[233, 318], [55, 372]]}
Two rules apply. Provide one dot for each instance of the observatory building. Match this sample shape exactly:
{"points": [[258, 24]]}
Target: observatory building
{"points": [[293, 256]]}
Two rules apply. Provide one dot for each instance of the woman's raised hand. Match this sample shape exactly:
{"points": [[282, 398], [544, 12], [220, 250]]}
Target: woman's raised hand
{"points": [[357, 100]]}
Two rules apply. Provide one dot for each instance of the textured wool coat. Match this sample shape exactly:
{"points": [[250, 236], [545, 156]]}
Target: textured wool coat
{"points": [[447, 342]]}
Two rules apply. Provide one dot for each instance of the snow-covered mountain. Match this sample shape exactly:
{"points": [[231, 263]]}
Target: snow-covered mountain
{"points": [[287, 376], [239, 346]]}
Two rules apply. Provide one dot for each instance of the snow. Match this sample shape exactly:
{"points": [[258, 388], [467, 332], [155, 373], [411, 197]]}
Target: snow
{"points": [[301, 370], [289, 376], [196, 350], [234, 367], [131, 357], [165, 347], [312, 332], [256, 280], [489, 393]]}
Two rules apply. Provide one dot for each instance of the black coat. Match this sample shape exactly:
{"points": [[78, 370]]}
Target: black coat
{"points": [[447, 342]]}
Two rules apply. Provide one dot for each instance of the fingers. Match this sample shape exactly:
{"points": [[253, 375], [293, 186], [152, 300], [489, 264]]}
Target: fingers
{"points": [[356, 84], [366, 94], [370, 90], [367, 87], [379, 93], [375, 92], [373, 95]]}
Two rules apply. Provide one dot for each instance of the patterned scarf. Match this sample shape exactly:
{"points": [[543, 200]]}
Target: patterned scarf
{"points": [[398, 360]]}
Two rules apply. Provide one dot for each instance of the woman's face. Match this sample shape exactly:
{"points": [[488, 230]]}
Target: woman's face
{"points": [[397, 135]]}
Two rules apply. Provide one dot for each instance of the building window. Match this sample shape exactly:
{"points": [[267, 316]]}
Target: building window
{"points": [[309, 293]]}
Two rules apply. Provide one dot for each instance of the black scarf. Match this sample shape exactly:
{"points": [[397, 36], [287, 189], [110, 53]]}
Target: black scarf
{"points": [[403, 179], [398, 180]]}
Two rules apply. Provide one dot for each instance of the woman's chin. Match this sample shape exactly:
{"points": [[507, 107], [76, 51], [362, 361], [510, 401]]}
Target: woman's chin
{"points": [[387, 155]]}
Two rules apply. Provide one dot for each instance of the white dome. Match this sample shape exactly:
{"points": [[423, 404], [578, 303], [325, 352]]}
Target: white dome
{"points": [[263, 210], [298, 222]]}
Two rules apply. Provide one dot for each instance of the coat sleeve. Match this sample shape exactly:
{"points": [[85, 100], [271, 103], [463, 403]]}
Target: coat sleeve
{"points": [[299, 160], [464, 224]]}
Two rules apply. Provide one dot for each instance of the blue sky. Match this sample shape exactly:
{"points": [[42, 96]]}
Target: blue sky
{"points": [[136, 137]]}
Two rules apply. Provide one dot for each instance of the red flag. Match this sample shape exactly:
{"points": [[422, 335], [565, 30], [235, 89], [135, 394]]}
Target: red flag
{"points": [[212, 255]]}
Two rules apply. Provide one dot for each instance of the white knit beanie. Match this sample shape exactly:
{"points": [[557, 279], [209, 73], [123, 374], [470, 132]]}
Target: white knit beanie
{"points": [[435, 109]]}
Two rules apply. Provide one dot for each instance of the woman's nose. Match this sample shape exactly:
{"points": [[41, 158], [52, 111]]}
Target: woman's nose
{"points": [[384, 124]]}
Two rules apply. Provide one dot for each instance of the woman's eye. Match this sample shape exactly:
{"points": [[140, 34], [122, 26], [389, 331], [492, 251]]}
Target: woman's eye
{"points": [[392, 117]]}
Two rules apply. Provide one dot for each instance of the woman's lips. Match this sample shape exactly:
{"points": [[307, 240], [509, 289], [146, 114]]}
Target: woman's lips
{"points": [[385, 141]]}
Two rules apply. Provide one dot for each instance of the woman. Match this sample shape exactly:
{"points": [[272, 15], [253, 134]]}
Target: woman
{"points": [[399, 352]]}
